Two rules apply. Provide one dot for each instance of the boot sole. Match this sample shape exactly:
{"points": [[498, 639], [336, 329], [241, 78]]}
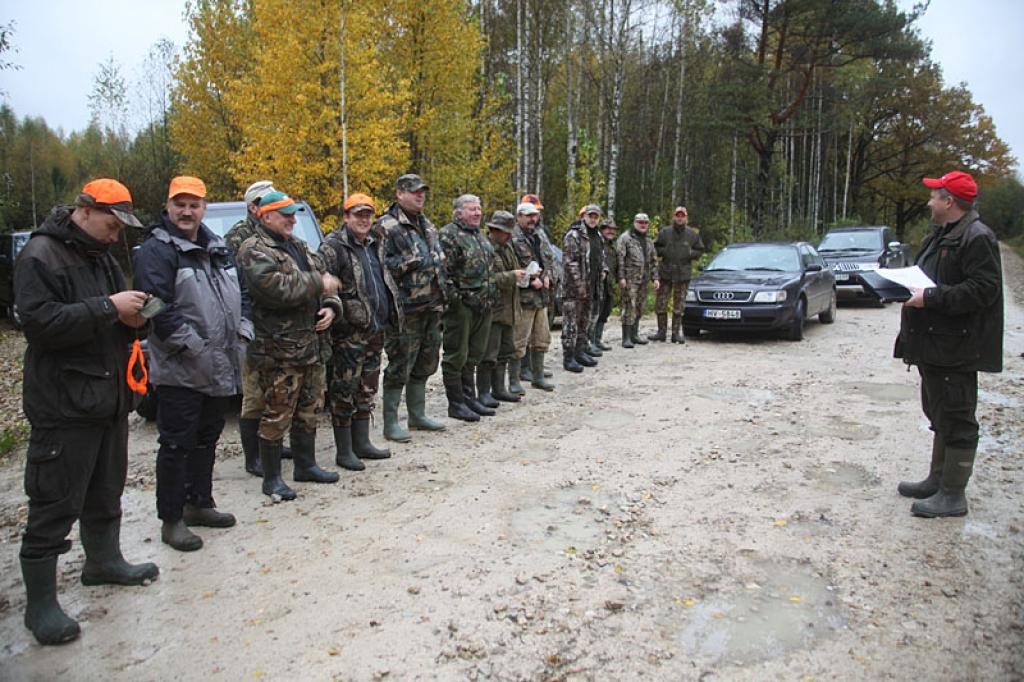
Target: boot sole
{"points": [[92, 581], [937, 515]]}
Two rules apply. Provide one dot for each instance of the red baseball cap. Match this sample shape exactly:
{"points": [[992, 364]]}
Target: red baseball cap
{"points": [[957, 183]]}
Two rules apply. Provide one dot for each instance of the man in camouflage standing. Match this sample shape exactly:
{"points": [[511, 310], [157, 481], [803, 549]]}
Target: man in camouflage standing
{"points": [[533, 330], [677, 246], [608, 232], [636, 266], [501, 342], [578, 291], [294, 301], [598, 276], [413, 255], [469, 258], [368, 293]]}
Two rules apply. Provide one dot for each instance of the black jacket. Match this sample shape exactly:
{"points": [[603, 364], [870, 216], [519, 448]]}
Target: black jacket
{"points": [[961, 323], [77, 351]]}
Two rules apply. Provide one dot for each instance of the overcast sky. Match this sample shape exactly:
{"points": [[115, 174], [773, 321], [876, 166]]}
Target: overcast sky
{"points": [[60, 44]]}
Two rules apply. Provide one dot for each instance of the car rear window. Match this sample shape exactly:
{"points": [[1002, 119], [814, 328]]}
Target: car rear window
{"points": [[861, 240]]}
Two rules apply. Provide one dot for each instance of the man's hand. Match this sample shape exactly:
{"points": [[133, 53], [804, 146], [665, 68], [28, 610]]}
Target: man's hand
{"points": [[325, 318], [657, 285], [128, 304], [537, 284], [331, 283], [916, 299], [520, 275], [547, 282]]}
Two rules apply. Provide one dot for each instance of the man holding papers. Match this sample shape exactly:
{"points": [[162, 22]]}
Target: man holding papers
{"points": [[951, 331]]}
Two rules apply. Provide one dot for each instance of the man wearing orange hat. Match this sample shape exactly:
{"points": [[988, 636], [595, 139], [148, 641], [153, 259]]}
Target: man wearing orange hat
{"points": [[952, 331], [79, 321], [194, 356], [677, 247], [354, 255]]}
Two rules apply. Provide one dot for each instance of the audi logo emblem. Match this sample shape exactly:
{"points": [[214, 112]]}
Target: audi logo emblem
{"points": [[722, 296]]}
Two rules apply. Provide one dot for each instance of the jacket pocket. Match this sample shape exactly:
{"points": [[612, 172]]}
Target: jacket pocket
{"points": [[87, 391], [46, 476], [948, 345]]}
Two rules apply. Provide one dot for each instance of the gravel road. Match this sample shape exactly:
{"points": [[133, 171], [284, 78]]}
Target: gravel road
{"points": [[726, 509]]}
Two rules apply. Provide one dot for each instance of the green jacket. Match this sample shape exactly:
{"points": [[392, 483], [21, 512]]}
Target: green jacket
{"points": [[241, 231], [506, 307], [285, 301], [636, 257], [535, 247], [339, 251], [469, 262], [414, 257], [677, 247]]}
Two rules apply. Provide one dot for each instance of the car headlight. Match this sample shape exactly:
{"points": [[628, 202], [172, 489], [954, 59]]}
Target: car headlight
{"points": [[691, 296], [770, 297], [869, 266]]}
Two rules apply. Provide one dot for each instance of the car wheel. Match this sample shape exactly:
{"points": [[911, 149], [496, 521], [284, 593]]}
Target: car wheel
{"points": [[691, 331], [796, 328], [829, 316]]}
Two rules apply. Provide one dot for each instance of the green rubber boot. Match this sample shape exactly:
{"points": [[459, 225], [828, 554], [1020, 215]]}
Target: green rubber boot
{"points": [[930, 485], [416, 401], [43, 614], [392, 428], [514, 387], [950, 500]]}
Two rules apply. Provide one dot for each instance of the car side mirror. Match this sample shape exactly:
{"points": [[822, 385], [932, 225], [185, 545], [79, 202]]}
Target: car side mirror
{"points": [[894, 246], [813, 267]]}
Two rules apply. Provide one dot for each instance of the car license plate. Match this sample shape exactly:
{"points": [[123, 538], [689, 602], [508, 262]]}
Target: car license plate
{"points": [[842, 277], [716, 314]]}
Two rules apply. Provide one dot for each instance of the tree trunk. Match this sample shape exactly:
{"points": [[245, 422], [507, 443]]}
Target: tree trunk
{"points": [[570, 109], [677, 157], [344, 111]]}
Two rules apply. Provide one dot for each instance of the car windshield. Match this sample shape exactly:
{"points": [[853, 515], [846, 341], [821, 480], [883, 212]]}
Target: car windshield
{"points": [[855, 240], [220, 219], [756, 257]]}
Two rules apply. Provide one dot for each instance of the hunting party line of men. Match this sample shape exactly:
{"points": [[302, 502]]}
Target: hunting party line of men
{"points": [[258, 312]]}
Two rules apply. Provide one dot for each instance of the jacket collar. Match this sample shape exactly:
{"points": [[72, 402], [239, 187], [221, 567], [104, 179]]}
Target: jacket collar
{"points": [[956, 233]]}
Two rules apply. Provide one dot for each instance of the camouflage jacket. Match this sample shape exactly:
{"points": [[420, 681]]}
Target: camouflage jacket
{"points": [[576, 262], [414, 257], [527, 248], [677, 246], [285, 300], [341, 260], [598, 260], [612, 282], [506, 307], [636, 257], [241, 231], [469, 263]]}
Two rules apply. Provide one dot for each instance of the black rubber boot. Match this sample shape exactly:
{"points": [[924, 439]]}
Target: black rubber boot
{"points": [[304, 454], [344, 457], [930, 485], [627, 336], [498, 389], [637, 338], [662, 324], [483, 385], [249, 434], [104, 563], [537, 366], [43, 614], [457, 408], [525, 370], [950, 500], [361, 444], [514, 387], [583, 357], [569, 363], [177, 535], [469, 393], [270, 458], [677, 329], [598, 337], [208, 517]]}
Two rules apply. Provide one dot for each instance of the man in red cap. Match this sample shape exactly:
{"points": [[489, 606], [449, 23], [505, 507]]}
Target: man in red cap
{"points": [[195, 356], [79, 321], [951, 331]]}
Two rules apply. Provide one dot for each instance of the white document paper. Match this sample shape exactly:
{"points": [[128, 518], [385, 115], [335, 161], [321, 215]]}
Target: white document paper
{"points": [[912, 277]]}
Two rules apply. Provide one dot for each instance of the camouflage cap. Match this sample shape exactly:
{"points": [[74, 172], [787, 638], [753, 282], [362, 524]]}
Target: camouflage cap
{"points": [[502, 220], [591, 208], [410, 182], [609, 224]]}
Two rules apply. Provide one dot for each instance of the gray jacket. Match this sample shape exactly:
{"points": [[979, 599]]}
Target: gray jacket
{"points": [[198, 340]]}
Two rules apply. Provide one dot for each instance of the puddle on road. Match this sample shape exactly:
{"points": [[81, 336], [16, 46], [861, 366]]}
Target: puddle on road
{"points": [[564, 518], [845, 430], [733, 394], [610, 420], [839, 476], [782, 607], [886, 393]]}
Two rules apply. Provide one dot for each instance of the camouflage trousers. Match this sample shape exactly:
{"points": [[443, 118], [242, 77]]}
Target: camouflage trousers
{"points": [[465, 338], [292, 397], [252, 395], [501, 343], [355, 377], [414, 352], [634, 298], [678, 293], [575, 323]]}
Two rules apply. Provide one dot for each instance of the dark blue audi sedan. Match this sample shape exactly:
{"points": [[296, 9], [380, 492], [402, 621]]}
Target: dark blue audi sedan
{"points": [[772, 286]]}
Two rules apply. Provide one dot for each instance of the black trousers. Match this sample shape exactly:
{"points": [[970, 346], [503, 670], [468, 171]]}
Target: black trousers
{"points": [[949, 399], [72, 473], [607, 301], [190, 424]]}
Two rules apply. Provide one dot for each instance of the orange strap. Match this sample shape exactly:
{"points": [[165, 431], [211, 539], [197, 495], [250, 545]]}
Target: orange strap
{"points": [[137, 361]]}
